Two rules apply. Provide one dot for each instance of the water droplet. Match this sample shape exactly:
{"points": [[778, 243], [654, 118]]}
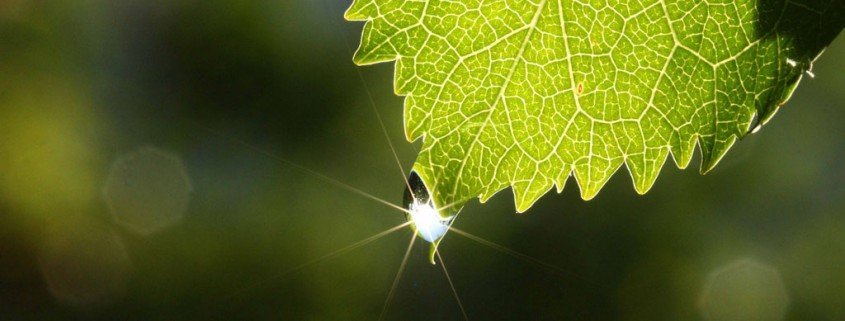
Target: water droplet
{"points": [[426, 219]]}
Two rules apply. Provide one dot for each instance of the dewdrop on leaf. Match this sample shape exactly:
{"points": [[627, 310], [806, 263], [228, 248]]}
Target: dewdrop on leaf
{"points": [[426, 219], [424, 216]]}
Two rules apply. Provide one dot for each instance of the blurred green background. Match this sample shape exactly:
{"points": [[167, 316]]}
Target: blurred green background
{"points": [[140, 179]]}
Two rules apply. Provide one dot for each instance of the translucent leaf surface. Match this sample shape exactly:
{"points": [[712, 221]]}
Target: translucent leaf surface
{"points": [[528, 93]]}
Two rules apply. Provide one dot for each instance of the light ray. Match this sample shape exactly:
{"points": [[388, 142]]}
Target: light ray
{"points": [[449, 228], [452, 285], [398, 277], [372, 101], [323, 258], [383, 128], [319, 175], [448, 206], [521, 256]]}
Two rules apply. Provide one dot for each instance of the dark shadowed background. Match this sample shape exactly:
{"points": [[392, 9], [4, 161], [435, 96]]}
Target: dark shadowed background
{"points": [[141, 179]]}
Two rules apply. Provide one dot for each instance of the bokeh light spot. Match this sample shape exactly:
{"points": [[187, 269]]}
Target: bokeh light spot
{"points": [[147, 190], [744, 290], [84, 265]]}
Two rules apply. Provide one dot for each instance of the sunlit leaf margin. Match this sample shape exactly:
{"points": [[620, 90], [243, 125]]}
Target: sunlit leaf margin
{"points": [[526, 93]]}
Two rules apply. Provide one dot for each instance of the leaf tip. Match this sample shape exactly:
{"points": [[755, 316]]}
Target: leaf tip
{"points": [[588, 192], [525, 197], [589, 196], [710, 159], [353, 13], [358, 58], [522, 207], [643, 188]]}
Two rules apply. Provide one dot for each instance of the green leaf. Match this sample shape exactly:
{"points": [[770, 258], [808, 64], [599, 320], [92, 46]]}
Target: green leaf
{"points": [[528, 93]]}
